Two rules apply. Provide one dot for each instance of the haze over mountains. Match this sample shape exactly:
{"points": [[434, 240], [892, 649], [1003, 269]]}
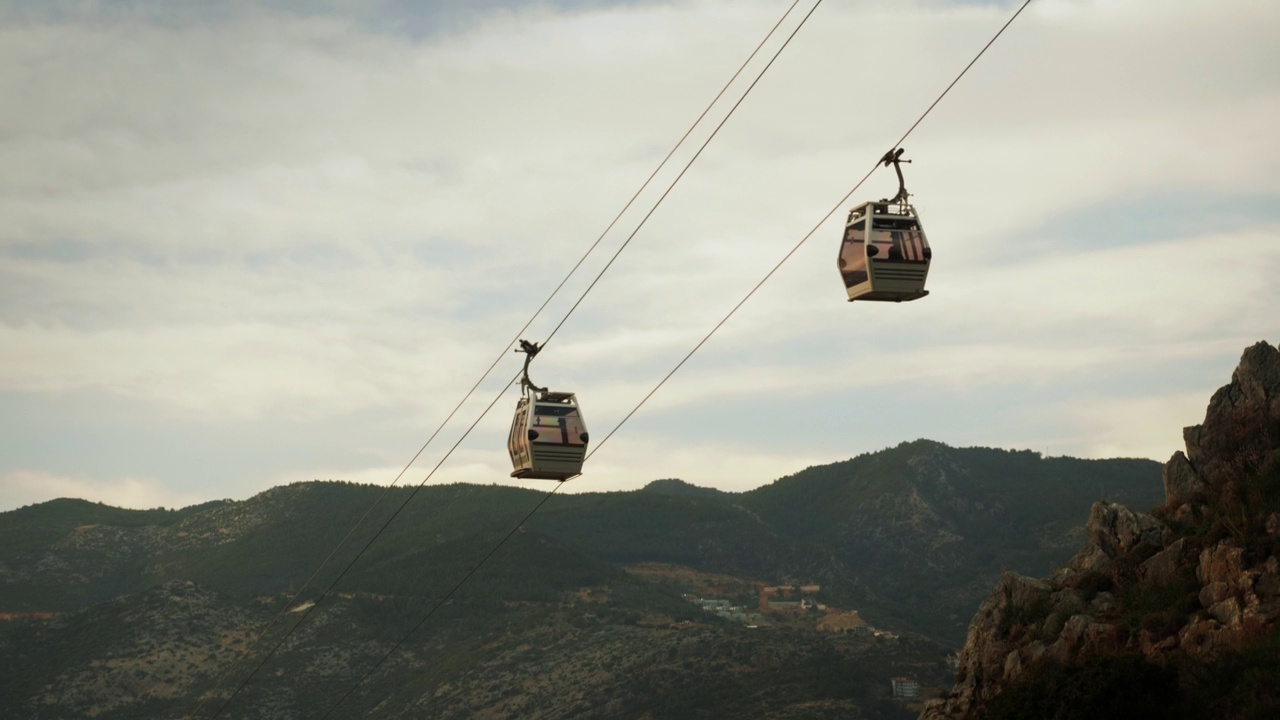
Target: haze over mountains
{"points": [[911, 538]]}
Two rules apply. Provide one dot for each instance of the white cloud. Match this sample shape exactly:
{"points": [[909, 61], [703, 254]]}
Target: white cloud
{"points": [[1148, 426]]}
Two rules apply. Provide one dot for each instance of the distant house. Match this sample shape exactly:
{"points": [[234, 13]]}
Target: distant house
{"points": [[783, 591], [905, 688], [6, 617], [842, 622], [787, 598], [304, 606]]}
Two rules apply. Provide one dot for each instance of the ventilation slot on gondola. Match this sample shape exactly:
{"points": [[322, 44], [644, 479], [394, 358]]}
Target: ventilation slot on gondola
{"points": [[905, 274]]}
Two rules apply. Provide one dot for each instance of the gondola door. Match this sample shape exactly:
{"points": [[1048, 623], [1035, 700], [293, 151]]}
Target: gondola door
{"points": [[518, 441]]}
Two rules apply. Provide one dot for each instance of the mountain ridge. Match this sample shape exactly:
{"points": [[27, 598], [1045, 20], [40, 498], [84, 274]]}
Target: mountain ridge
{"points": [[909, 537], [945, 513]]}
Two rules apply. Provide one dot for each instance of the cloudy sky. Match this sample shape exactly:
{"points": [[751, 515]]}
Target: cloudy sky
{"points": [[251, 243]]}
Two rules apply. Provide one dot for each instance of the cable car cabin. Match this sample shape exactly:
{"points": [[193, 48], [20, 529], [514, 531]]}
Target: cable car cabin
{"points": [[548, 438], [884, 255]]}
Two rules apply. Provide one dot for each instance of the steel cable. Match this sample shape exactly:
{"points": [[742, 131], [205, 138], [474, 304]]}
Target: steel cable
{"points": [[690, 354], [291, 602], [698, 346], [592, 285], [807, 235]]}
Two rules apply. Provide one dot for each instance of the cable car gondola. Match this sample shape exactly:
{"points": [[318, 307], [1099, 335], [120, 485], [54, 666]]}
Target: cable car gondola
{"points": [[884, 255], [548, 439]]}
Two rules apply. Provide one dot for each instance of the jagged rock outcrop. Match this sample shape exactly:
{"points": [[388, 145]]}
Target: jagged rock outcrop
{"points": [[1193, 579], [1242, 425]]}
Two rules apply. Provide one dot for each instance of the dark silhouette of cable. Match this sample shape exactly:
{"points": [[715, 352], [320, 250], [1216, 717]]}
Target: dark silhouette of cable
{"points": [[807, 235], [689, 164], [582, 297], [718, 325], [690, 354], [291, 602]]}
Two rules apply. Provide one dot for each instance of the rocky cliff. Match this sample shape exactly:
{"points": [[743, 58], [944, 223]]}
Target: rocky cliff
{"points": [[1176, 610]]}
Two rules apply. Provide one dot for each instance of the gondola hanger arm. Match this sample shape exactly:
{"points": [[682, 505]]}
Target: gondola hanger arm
{"points": [[530, 349], [894, 157]]}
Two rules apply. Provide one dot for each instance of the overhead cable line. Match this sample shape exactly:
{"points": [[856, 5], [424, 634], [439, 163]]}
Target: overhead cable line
{"points": [[690, 354], [687, 165], [291, 602], [582, 297], [807, 235], [718, 325]]}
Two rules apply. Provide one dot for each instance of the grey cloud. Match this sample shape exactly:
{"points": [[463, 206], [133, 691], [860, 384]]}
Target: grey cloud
{"points": [[267, 223], [414, 18]]}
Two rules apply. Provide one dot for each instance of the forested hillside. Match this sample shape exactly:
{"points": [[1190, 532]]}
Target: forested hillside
{"points": [[906, 538]]}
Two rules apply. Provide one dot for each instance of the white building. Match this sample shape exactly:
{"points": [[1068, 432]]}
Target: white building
{"points": [[905, 688]]}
